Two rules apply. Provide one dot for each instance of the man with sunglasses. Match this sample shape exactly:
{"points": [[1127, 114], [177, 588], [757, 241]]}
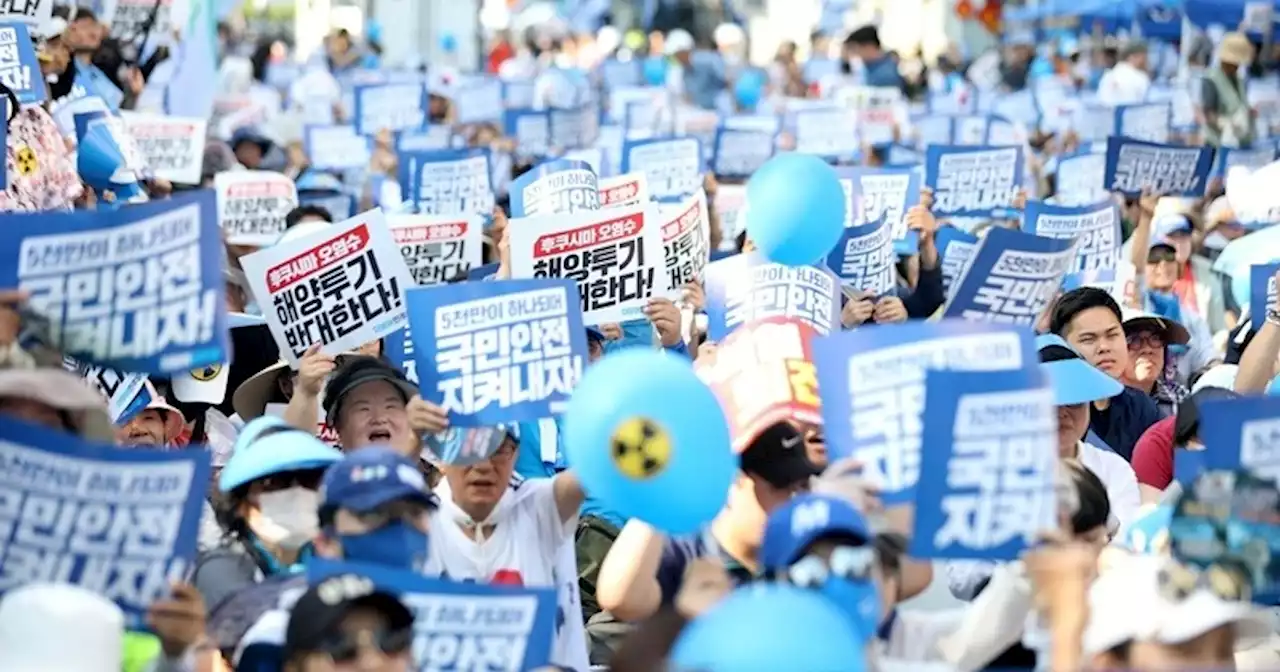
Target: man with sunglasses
{"points": [[345, 623]]}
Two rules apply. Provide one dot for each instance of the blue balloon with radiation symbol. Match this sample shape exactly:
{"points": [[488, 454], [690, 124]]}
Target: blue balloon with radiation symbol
{"points": [[795, 209]]}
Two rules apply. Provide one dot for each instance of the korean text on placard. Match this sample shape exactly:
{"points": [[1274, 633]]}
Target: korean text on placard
{"points": [[606, 259], [505, 350], [105, 526], [455, 187], [1160, 170], [623, 191], [128, 292], [468, 632], [953, 262], [673, 168], [132, 18], [332, 290], [1019, 286], [886, 387], [976, 181], [684, 239], [256, 209], [564, 191], [434, 253], [15, 74], [776, 290], [1095, 232], [884, 197], [1258, 452], [1000, 473], [740, 153], [1149, 122], [391, 107], [867, 262], [165, 145]]}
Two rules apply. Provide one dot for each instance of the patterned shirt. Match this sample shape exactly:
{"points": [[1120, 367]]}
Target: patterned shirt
{"points": [[41, 169]]}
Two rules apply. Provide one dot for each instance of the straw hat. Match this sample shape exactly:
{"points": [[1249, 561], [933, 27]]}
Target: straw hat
{"points": [[37, 621], [252, 396], [1235, 49], [64, 391]]}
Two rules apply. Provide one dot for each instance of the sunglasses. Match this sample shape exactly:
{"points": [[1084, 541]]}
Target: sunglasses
{"points": [[1177, 582], [400, 510], [346, 648], [846, 562], [1161, 254], [309, 479]]}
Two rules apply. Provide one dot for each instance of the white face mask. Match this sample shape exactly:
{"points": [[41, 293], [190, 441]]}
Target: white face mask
{"points": [[288, 518]]}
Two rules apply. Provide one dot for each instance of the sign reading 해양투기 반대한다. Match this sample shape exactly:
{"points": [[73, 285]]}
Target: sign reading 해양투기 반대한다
{"points": [[873, 194], [341, 287], [1134, 167], [671, 166], [738, 153], [1148, 122], [505, 351], [136, 289], [973, 181], [119, 523], [389, 107], [555, 187], [126, 393], [437, 249], [1096, 229], [1262, 291], [624, 191], [864, 259], [989, 452], [252, 205], [747, 287], [19, 69], [956, 248], [171, 147], [763, 373], [873, 388], [462, 626], [1011, 277], [449, 183], [615, 255], [336, 147], [686, 239]]}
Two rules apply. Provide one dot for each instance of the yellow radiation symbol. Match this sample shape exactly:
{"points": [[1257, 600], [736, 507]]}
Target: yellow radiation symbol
{"points": [[205, 374], [25, 158], [641, 448]]}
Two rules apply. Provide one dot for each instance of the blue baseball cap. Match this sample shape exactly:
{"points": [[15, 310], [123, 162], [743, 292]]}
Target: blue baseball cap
{"points": [[1074, 380], [269, 445], [1166, 226], [794, 526], [370, 477]]}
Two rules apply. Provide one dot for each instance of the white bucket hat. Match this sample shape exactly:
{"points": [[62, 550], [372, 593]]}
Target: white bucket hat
{"points": [[37, 622]]}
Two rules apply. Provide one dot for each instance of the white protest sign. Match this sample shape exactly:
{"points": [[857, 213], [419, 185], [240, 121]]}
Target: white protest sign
{"points": [[342, 287], [252, 205], [1149, 122], [615, 256], [829, 133], [336, 148], [34, 13], [624, 190], [731, 205], [435, 248], [453, 186], [1253, 194], [388, 107], [673, 167], [172, 147], [129, 18], [686, 238], [879, 109]]}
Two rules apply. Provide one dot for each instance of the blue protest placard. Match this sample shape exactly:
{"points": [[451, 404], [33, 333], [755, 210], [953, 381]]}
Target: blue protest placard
{"points": [[901, 156], [747, 287], [1253, 159], [830, 133], [397, 347], [574, 128], [478, 100], [989, 452], [672, 166], [1134, 166], [1148, 122], [450, 182], [1262, 292], [135, 289], [19, 69], [127, 393], [973, 181], [1096, 229], [1081, 176], [555, 187], [956, 249], [120, 523], [340, 206], [864, 259], [531, 130], [1011, 278], [483, 272], [462, 627], [737, 154], [873, 388], [1242, 433], [884, 193], [336, 147], [505, 351], [391, 107], [615, 73], [4, 142], [433, 137]]}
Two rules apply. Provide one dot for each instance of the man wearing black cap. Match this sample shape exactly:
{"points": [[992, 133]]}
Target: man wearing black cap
{"points": [[367, 401], [645, 570], [346, 621]]}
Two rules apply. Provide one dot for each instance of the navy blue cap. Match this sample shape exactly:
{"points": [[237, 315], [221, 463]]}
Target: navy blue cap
{"points": [[370, 477], [794, 526]]}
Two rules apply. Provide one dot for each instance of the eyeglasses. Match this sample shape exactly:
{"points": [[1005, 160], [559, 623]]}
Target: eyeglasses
{"points": [[346, 647], [1145, 339], [309, 479], [846, 562], [1226, 581]]}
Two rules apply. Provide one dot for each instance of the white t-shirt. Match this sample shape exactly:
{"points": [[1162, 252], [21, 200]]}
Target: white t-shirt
{"points": [[1123, 85], [528, 543]]}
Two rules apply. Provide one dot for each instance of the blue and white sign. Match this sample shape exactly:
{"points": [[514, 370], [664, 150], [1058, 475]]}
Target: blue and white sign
{"points": [[737, 154], [986, 488], [390, 107], [747, 287], [672, 166], [553, 188], [1095, 228], [460, 626], [574, 128], [1148, 122], [1080, 178], [873, 388], [136, 289], [864, 259], [432, 138], [1243, 433], [973, 181], [956, 247], [1252, 159], [19, 69], [120, 523], [531, 131], [505, 351], [1134, 166], [336, 147], [1011, 278], [831, 133], [478, 100], [1262, 292], [875, 194], [453, 182], [127, 393]]}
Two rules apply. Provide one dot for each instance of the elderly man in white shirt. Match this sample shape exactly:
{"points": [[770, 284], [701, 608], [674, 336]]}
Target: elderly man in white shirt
{"points": [[1127, 83]]}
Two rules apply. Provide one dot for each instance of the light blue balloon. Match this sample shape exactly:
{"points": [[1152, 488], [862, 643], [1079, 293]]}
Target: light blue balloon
{"points": [[1242, 285], [749, 88], [655, 71], [770, 626], [690, 489], [1273, 388], [448, 43], [795, 209]]}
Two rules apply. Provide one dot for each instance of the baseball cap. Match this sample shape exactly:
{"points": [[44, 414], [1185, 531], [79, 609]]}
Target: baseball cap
{"points": [[1126, 603], [1172, 332], [778, 456], [369, 478], [804, 519], [677, 41], [1166, 226], [1186, 425], [357, 371], [321, 609]]}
